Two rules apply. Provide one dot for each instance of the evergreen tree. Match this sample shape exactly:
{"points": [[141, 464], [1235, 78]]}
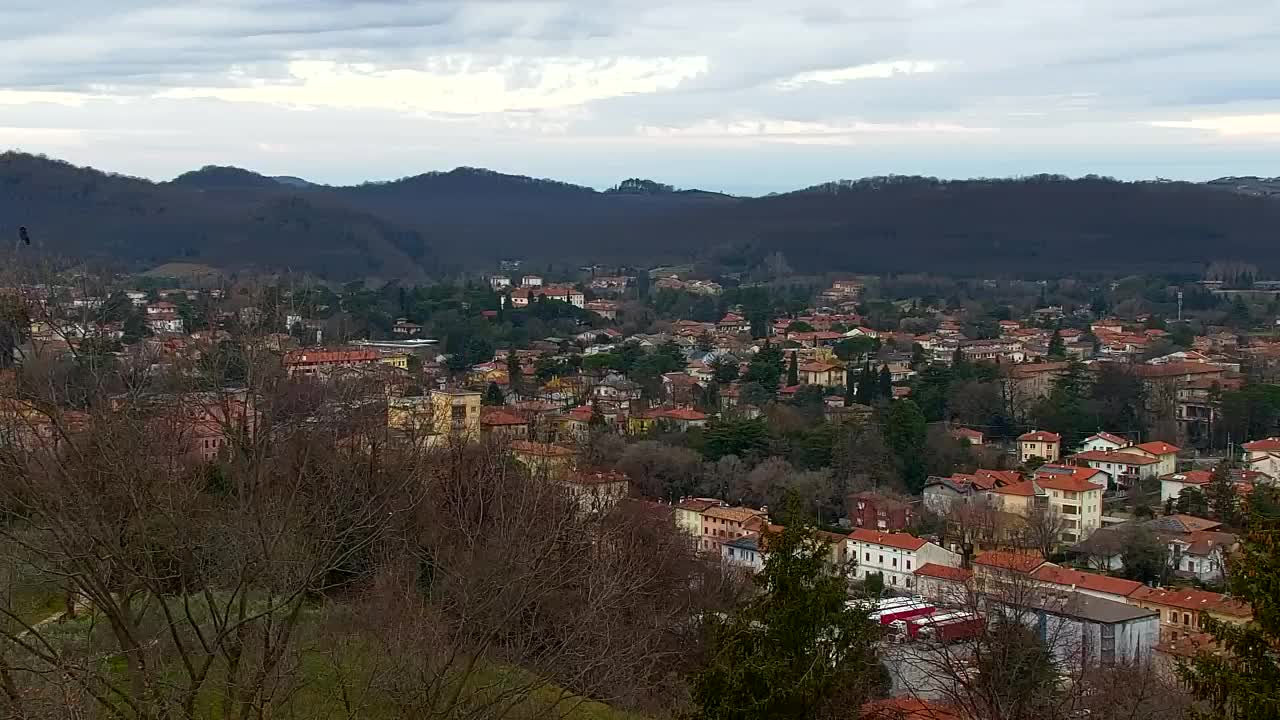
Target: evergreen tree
{"points": [[1057, 348], [493, 395], [796, 649], [905, 431], [885, 385], [597, 421], [1191, 501], [793, 371], [918, 358], [711, 397], [866, 385], [515, 376], [1242, 682], [1221, 495]]}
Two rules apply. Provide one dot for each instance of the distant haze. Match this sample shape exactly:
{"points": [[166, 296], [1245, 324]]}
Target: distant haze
{"points": [[745, 97]]}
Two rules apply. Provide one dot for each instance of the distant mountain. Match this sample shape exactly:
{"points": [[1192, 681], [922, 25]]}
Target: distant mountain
{"points": [[294, 181], [1248, 185], [409, 228]]}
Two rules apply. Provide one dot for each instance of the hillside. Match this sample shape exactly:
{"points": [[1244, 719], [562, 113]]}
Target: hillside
{"points": [[232, 218]]}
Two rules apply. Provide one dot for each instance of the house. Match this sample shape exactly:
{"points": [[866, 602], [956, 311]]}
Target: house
{"points": [[456, 413], [1025, 383], [874, 511], [1180, 609], [616, 388], [1165, 454], [721, 524], [1201, 554], [895, 556], [941, 493], [1104, 442], [688, 513], [1076, 495], [734, 324], [531, 281], [595, 492], [576, 424], [1122, 468], [502, 422], [1263, 456], [1039, 444], [1172, 485], [564, 294], [973, 437], [544, 459], [1103, 586], [607, 309], [325, 363], [682, 419], [821, 373], [743, 552], [944, 585], [499, 282], [405, 328]]}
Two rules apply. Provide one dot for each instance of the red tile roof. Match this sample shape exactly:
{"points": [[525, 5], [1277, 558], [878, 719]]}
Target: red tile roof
{"points": [[1190, 477], [1271, 444], [1018, 562], [1192, 599], [496, 416], [1040, 436], [1115, 456], [1085, 580], [1109, 438], [1159, 447], [1026, 488], [906, 708], [682, 414], [528, 447], [308, 357], [1068, 478], [596, 478], [902, 541], [943, 572]]}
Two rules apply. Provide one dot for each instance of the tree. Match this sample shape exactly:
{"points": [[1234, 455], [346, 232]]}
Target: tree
{"points": [[1144, 557], [793, 371], [493, 395], [868, 385], [873, 584], [515, 376], [905, 431], [796, 649], [1221, 495], [766, 368], [724, 369], [1057, 347], [1042, 530], [884, 387], [1020, 668], [1191, 501], [918, 357], [1242, 681], [597, 421]]}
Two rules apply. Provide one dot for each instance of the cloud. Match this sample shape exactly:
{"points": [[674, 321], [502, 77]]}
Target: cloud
{"points": [[803, 132], [880, 71], [1229, 125]]}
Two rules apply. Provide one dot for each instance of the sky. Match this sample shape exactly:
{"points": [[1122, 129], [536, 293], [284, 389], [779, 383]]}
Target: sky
{"points": [[742, 96]]}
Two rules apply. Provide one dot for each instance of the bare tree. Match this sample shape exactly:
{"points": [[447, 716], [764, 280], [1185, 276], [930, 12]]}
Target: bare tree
{"points": [[1042, 530]]}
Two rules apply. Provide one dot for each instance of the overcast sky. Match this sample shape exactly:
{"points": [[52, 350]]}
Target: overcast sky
{"points": [[738, 95]]}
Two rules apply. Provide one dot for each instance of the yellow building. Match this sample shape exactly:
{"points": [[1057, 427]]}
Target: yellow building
{"points": [[1073, 493], [399, 360], [544, 459], [441, 414]]}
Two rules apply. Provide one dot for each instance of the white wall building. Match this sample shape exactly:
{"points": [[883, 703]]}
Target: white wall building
{"points": [[896, 556]]}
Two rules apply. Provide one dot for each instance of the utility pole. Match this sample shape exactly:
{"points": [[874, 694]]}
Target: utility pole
{"points": [[1179, 306]]}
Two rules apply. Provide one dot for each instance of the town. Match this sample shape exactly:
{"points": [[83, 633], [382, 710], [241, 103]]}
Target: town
{"points": [[1086, 455]]}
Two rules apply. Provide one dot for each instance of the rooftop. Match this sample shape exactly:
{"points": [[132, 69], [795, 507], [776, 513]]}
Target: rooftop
{"points": [[902, 541], [1192, 599]]}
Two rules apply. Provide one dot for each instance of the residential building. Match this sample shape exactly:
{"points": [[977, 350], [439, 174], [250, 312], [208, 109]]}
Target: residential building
{"points": [[531, 281], [820, 373], [1172, 485], [544, 459], [326, 363], [499, 282], [1180, 609], [896, 556], [733, 323], [688, 513], [1026, 383], [607, 309], [1080, 629], [503, 422], [1263, 456], [595, 492], [405, 328], [875, 511], [1076, 494], [1122, 467], [1068, 579], [682, 419], [721, 524], [744, 552], [456, 413], [945, 585], [1165, 454], [1039, 444], [1104, 442], [973, 437]]}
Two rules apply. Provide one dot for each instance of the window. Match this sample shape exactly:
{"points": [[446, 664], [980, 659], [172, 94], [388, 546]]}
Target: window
{"points": [[893, 580], [730, 552], [895, 562], [908, 564], [881, 559], [458, 413], [868, 557], [1173, 616], [1186, 618]]}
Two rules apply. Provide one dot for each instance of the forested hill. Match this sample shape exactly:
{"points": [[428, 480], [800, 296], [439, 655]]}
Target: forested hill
{"points": [[407, 228]]}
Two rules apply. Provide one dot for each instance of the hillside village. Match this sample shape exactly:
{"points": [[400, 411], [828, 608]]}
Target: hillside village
{"points": [[1100, 455]]}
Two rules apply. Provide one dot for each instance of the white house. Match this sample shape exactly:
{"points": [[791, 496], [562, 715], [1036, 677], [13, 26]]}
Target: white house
{"points": [[1121, 467], [1039, 444], [1172, 485], [1263, 456], [531, 281], [743, 552], [896, 556], [1166, 454], [499, 282], [1103, 441]]}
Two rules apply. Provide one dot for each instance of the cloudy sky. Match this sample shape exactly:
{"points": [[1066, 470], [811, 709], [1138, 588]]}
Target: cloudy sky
{"points": [[738, 95]]}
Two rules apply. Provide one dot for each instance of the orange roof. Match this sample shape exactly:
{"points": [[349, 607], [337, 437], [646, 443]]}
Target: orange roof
{"points": [[817, 367], [528, 447], [682, 414], [965, 433], [1271, 444], [902, 541], [496, 416], [697, 504], [1159, 447], [1067, 478], [1175, 369], [1026, 488], [1116, 439], [1006, 477], [944, 572], [596, 478], [1118, 457], [1190, 477], [307, 357], [1040, 436], [1192, 599], [906, 708], [1085, 580], [1018, 562], [733, 514]]}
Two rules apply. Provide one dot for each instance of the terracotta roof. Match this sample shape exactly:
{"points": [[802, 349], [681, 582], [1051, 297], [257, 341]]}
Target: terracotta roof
{"points": [[1005, 477], [1204, 542], [902, 541], [1108, 437], [1174, 369], [1190, 477], [496, 416], [1085, 580], [906, 708], [1018, 562], [582, 413], [1159, 447], [528, 447], [1026, 488], [307, 357], [944, 572], [596, 478], [734, 514], [1192, 599], [817, 367], [1040, 436], [965, 433], [1182, 524], [1067, 478], [1271, 444], [681, 414], [697, 504], [1116, 456]]}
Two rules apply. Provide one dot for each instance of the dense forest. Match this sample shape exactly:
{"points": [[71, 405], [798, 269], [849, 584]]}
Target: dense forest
{"points": [[415, 226]]}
